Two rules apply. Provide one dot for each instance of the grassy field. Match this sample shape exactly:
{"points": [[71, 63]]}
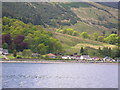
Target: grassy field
{"points": [[72, 44]]}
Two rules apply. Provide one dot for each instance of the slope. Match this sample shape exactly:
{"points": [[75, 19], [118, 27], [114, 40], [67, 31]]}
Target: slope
{"points": [[77, 15], [72, 44]]}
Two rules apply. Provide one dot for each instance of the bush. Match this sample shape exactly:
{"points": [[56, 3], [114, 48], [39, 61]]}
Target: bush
{"points": [[19, 57], [44, 57], [14, 53], [27, 53]]}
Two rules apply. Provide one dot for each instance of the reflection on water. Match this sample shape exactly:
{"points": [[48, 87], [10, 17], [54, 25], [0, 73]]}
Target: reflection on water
{"points": [[77, 75]]}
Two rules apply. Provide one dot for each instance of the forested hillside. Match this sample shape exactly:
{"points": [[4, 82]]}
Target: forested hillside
{"points": [[60, 28], [19, 36], [81, 16]]}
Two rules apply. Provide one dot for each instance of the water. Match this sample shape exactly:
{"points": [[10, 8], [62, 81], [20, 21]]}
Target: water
{"points": [[76, 75]]}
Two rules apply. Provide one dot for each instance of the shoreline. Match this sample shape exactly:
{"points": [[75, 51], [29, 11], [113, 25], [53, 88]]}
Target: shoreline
{"points": [[53, 62]]}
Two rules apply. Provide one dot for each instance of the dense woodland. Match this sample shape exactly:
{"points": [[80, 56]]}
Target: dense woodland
{"points": [[19, 36]]}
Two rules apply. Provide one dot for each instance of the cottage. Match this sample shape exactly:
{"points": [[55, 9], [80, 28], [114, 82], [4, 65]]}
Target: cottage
{"points": [[66, 57], [75, 57], [1, 51], [97, 58], [72, 57], [5, 51], [107, 59], [86, 57], [35, 55], [50, 55]]}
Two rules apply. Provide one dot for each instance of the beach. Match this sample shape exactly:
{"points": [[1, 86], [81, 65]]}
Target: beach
{"points": [[49, 61]]}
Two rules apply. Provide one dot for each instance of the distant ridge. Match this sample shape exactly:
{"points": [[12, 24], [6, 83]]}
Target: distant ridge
{"points": [[110, 4]]}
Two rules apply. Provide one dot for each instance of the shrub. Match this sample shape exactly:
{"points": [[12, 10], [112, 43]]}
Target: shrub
{"points": [[19, 57]]}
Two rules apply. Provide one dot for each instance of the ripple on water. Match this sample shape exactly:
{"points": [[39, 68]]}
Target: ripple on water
{"points": [[60, 76]]}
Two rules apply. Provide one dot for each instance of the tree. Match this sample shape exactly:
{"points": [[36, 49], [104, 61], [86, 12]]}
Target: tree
{"points": [[58, 47], [85, 51], [7, 39], [54, 45], [75, 33], [70, 31], [19, 39], [115, 53], [27, 53], [5, 46], [22, 46], [14, 53], [106, 51], [101, 38], [112, 39], [95, 36], [84, 35], [99, 50], [42, 49], [19, 44], [81, 50], [109, 52]]}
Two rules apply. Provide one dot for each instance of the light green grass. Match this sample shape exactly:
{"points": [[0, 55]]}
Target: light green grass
{"points": [[10, 56]]}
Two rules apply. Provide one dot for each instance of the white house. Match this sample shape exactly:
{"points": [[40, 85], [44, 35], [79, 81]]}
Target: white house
{"points": [[107, 58], [86, 57], [75, 57], [66, 57], [1, 51], [5, 51]]}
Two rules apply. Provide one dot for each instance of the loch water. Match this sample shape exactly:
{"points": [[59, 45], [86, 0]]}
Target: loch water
{"points": [[66, 75]]}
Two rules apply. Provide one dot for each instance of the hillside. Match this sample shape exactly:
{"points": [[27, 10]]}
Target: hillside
{"points": [[60, 28], [80, 16], [46, 14], [97, 18], [72, 44], [110, 4]]}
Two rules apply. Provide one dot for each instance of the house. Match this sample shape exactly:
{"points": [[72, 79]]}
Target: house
{"points": [[107, 58], [5, 51], [72, 57], [97, 58], [1, 51], [85, 57], [35, 55], [75, 57], [66, 57], [50, 55]]}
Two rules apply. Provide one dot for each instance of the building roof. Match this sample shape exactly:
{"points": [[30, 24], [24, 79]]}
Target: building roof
{"points": [[107, 57], [85, 56], [50, 54]]}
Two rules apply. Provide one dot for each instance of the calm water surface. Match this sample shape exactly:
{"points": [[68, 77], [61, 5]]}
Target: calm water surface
{"points": [[76, 75]]}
